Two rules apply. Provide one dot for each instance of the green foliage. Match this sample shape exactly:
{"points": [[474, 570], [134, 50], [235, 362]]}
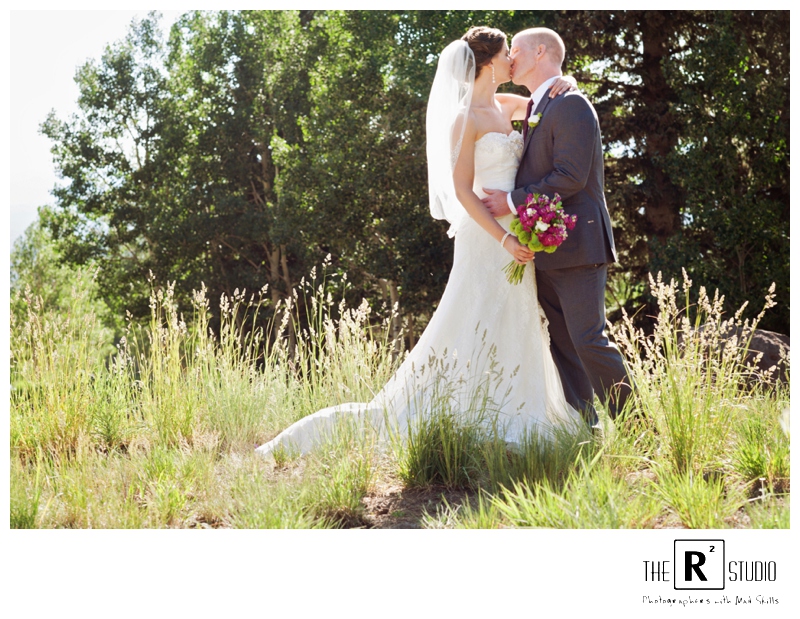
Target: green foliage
{"points": [[692, 373], [152, 438], [342, 474], [694, 110], [762, 452], [768, 515], [591, 498], [115, 202], [25, 496], [442, 449], [732, 162], [251, 144], [38, 272], [260, 503], [144, 426], [699, 502], [485, 515], [453, 424], [541, 457]]}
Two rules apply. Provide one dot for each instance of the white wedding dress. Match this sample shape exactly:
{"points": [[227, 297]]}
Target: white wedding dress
{"points": [[485, 353]]}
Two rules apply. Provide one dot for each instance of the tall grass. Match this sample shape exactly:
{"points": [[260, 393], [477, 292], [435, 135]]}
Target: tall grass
{"points": [[161, 433], [700, 502], [692, 373], [454, 415], [761, 452], [709, 426], [54, 365], [141, 433], [540, 457]]}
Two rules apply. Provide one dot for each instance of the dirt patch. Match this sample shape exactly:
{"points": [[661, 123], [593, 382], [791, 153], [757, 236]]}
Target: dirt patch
{"points": [[642, 477], [668, 520], [392, 506]]}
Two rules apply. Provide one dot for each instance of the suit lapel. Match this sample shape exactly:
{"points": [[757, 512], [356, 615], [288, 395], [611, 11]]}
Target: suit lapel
{"points": [[539, 110]]}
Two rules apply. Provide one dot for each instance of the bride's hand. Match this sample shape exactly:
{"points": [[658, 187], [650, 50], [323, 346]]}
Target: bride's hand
{"points": [[518, 251], [563, 84]]}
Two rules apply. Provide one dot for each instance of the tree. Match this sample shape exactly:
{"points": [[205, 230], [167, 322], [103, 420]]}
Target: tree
{"points": [[170, 158], [732, 160], [687, 119], [363, 161], [364, 190], [44, 289], [113, 209], [252, 144], [240, 81]]}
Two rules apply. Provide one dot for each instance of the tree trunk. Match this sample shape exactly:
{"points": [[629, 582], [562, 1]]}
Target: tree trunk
{"points": [[663, 198], [274, 274], [287, 280], [412, 340], [390, 294]]}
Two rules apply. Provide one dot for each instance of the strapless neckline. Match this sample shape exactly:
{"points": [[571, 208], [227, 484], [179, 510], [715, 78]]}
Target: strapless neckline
{"points": [[513, 133]]}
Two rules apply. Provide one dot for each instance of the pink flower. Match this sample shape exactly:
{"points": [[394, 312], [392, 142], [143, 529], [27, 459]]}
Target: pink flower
{"points": [[548, 239]]}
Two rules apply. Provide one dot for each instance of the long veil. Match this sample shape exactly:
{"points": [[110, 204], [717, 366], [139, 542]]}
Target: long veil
{"points": [[448, 104]]}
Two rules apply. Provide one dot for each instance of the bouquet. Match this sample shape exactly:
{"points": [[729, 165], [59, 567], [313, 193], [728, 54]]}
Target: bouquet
{"points": [[542, 225]]}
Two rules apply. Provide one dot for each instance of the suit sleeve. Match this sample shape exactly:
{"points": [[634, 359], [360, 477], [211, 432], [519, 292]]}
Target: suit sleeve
{"points": [[574, 137]]}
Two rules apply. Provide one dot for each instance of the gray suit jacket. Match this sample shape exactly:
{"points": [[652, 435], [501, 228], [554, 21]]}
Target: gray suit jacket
{"points": [[563, 154]]}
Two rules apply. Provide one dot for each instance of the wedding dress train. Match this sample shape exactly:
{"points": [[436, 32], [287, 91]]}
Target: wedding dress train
{"points": [[486, 346]]}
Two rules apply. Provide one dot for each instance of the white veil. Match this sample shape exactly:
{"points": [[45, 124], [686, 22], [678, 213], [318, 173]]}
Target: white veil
{"points": [[451, 96]]}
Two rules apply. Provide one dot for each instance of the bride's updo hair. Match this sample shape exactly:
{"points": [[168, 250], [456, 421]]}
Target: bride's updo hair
{"points": [[485, 44]]}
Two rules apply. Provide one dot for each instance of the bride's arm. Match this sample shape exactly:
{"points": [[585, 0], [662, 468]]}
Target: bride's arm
{"points": [[514, 106], [463, 178]]}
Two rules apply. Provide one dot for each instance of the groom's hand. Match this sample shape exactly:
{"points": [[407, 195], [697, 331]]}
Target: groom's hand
{"points": [[496, 202]]}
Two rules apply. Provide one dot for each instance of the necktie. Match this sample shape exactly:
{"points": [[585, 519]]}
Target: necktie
{"points": [[525, 120]]}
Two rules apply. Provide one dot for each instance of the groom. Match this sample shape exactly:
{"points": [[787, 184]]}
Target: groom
{"points": [[563, 154]]}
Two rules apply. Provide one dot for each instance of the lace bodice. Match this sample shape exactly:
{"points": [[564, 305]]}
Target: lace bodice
{"points": [[497, 158]]}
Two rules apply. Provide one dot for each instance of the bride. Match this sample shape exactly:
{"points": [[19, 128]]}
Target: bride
{"points": [[485, 353]]}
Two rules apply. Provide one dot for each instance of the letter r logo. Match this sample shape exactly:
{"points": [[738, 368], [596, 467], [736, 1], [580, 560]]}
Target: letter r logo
{"points": [[699, 564], [692, 562]]}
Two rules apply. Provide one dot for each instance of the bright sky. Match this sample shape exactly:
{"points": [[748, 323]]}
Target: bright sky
{"points": [[46, 49]]}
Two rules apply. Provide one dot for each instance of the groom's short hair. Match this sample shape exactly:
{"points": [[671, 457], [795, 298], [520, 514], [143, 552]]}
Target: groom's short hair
{"points": [[549, 38]]}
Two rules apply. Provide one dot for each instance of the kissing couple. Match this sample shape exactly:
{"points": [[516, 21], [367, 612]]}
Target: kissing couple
{"points": [[533, 354]]}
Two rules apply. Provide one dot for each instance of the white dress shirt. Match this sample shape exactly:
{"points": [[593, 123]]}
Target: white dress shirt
{"points": [[537, 97]]}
